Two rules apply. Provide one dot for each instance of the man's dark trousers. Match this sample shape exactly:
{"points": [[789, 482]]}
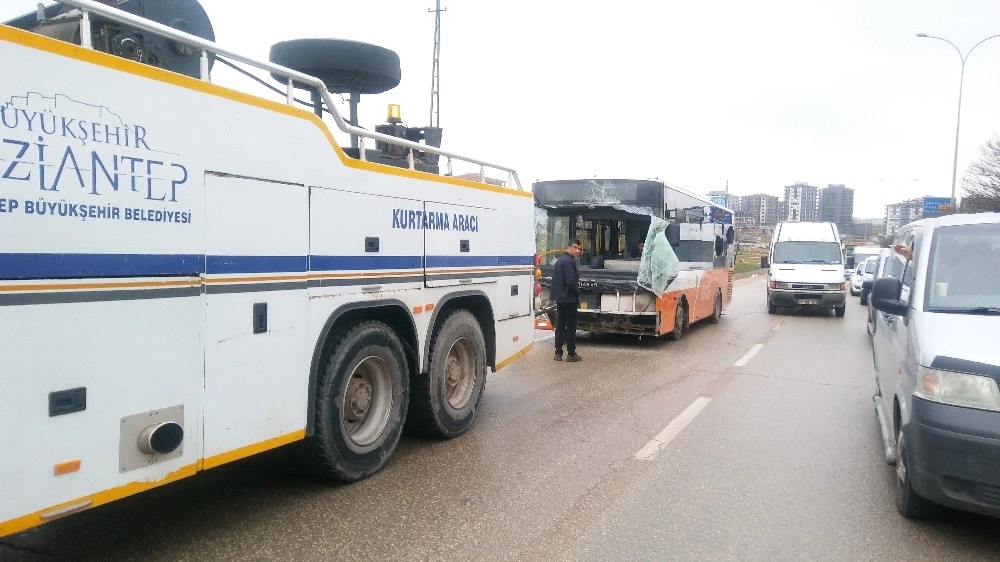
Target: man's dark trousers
{"points": [[566, 327]]}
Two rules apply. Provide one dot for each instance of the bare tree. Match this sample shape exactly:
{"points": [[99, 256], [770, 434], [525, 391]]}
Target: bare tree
{"points": [[981, 181]]}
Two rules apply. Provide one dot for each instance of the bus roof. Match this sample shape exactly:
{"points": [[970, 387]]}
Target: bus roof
{"points": [[584, 181]]}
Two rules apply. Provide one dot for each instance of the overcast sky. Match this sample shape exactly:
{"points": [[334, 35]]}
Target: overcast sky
{"points": [[759, 94]]}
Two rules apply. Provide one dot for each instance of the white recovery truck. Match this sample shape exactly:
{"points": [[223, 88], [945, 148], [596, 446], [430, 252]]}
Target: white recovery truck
{"points": [[191, 274]]}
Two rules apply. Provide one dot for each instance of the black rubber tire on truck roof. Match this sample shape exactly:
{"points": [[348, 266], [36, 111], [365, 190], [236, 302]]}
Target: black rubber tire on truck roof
{"points": [[344, 66]]}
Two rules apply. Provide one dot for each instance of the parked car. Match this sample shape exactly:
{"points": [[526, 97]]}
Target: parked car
{"points": [[867, 274], [879, 271], [871, 264], [937, 364], [864, 270], [859, 254], [857, 276]]}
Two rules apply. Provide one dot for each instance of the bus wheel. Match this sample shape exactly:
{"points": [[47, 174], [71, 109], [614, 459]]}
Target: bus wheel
{"points": [[444, 402], [680, 318], [361, 398], [716, 308]]}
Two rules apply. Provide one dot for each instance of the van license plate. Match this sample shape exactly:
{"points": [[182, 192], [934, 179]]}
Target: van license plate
{"points": [[808, 301]]}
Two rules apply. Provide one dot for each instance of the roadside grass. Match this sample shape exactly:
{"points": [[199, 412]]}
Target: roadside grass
{"points": [[745, 263]]}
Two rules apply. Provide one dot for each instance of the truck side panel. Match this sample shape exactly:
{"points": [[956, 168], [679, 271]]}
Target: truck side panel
{"points": [[149, 214]]}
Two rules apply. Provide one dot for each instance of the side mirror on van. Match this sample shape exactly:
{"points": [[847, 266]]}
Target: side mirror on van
{"points": [[764, 262], [885, 296]]}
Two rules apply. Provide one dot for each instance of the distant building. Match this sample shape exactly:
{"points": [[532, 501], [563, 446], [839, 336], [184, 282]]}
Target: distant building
{"points": [[759, 210], [723, 198], [836, 205], [869, 229], [802, 202], [740, 218], [899, 215]]}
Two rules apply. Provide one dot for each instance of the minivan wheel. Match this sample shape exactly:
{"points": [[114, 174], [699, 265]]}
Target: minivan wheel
{"points": [[908, 502], [840, 311]]}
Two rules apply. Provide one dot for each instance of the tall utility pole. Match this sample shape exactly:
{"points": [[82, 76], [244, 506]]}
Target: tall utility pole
{"points": [[435, 117]]}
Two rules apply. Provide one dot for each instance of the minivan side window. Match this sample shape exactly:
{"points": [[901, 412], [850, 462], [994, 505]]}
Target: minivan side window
{"points": [[895, 264], [910, 238]]}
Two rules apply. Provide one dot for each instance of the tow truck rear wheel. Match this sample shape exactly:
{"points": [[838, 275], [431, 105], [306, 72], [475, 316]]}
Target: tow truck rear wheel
{"points": [[444, 402], [360, 404]]}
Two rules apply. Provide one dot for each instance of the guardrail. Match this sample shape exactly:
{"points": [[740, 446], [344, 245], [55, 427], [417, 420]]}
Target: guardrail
{"points": [[87, 7]]}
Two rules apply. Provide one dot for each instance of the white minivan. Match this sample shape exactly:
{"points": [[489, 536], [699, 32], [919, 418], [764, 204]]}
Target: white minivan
{"points": [[937, 363], [805, 267]]}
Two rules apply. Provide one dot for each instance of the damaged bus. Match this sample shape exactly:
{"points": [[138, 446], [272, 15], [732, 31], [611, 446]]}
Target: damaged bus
{"points": [[655, 259]]}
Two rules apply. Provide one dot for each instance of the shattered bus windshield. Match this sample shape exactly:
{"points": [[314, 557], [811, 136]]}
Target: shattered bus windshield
{"points": [[612, 218]]}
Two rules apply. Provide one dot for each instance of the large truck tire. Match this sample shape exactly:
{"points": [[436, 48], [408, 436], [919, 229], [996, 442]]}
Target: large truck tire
{"points": [[444, 402], [361, 400]]}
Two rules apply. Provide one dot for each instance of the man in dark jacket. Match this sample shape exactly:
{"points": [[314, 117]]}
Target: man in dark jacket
{"points": [[565, 292]]}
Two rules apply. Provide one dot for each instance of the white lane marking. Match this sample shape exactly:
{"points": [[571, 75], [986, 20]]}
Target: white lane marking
{"points": [[664, 437], [748, 355], [776, 327]]}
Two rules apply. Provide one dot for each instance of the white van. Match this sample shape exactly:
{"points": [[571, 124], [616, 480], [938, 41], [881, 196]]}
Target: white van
{"points": [[805, 267], [937, 364]]}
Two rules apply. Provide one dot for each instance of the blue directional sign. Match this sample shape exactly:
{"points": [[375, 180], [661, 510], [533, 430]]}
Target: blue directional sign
{"points": [[936, 206], [721, 216]]}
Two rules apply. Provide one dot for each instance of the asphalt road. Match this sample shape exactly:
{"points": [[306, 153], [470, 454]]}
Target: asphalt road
{"points": [[767, 448]]}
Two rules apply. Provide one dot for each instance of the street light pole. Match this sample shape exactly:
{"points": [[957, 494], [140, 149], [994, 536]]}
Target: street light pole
{"points": [[958, 124]]}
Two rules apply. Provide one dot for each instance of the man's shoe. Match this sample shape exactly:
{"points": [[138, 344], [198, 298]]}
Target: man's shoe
{"points": [[558, 357], [574, 359]]}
